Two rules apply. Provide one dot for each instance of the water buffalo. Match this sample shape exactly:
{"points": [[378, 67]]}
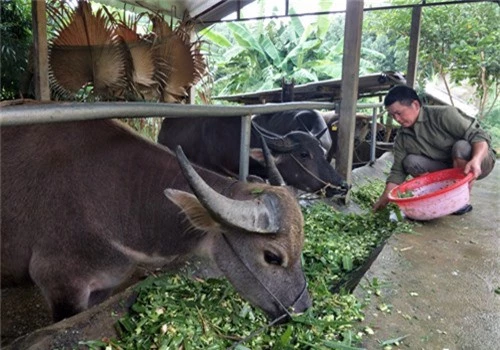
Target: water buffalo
{"points": [[84, 203], [362, 135], [316, 123], [214, 143], [307, 120]]}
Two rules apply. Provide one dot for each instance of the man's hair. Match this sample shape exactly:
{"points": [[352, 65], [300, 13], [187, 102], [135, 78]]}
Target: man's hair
{"points": [[402, 94]]}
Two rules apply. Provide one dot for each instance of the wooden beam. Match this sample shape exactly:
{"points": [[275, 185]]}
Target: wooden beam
{"points": [[411, 74], [349, 87], [41, 52]]}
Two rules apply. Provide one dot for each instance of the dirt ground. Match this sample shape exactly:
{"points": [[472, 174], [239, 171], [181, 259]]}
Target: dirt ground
{"points": [[438, 287], [441, 285]]}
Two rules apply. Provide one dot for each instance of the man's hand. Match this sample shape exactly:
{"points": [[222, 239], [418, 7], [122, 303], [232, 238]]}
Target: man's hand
{"points": [[383, 200], [474, 166], [479, 152], [381, 203]]}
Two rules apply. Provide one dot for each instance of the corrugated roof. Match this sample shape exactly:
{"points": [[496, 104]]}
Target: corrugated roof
{"points": [[326, 90]]}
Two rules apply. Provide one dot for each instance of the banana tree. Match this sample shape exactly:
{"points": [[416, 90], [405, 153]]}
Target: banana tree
{"points": [[253, 56]]}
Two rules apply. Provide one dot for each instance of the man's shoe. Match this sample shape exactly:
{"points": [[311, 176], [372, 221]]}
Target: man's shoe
{"points": [[465, 209]]}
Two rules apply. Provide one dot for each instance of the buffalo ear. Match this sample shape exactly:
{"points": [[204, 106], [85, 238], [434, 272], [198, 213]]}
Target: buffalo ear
{"points": [[257, 154], [194, 211]]}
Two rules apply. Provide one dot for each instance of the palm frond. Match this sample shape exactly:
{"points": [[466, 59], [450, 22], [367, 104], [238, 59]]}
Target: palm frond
{"points": [[105, 50], [86, 51], [183, 64]]}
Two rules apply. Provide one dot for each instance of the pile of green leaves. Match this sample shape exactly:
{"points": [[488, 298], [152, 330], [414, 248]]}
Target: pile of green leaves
{"points": [[366, 194], [177, 312]]}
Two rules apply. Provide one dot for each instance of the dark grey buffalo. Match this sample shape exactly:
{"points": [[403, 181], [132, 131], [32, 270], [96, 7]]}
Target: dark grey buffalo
{"points": [[84, 203], [214, 143], [307, 120]]}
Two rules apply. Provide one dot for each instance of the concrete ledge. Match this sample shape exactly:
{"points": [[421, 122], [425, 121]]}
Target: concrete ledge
{"points": [[439, 283]]}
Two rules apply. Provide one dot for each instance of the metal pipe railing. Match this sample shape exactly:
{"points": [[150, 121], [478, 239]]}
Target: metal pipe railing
{"points": [[58, 112], [24, 114], [373, 139], [76, 111], [373, 136]]}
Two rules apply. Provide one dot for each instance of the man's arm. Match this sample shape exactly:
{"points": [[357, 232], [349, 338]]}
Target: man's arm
{"points": [[383, 200]]}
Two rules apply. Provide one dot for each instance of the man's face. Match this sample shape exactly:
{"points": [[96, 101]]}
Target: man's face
{"points": [[403, 114]]}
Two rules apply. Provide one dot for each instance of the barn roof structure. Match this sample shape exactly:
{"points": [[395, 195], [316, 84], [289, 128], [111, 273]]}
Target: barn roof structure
{"points": [[326, 90], [206, 11]]}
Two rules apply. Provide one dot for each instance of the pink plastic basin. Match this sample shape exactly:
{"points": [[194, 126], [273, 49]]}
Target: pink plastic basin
{"points": [[433, 195]]}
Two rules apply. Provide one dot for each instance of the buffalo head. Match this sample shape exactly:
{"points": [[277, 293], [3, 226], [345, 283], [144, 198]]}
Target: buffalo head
{"points": [[307, 120], [301, 160], [255, 237], [83, 216]]}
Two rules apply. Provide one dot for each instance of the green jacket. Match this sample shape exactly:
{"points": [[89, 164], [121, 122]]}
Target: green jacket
{"points": [[433, 135]]}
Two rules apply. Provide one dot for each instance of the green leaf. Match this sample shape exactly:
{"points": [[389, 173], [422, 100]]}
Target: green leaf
{"points": [[270, 50], [347, 262], [340, 346], [394, 340], [215, 37], [286, 336]]}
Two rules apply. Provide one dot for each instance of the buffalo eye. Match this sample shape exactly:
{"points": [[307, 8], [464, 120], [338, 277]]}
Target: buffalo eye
{"points": [[304, 154], [272, 258]]}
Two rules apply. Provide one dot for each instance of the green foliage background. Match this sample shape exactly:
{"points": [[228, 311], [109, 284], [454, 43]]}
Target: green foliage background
{"points": [[459, 43], [16, 39]]}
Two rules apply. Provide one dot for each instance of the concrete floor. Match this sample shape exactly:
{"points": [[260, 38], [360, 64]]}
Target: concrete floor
{"points": [[441, 285]]}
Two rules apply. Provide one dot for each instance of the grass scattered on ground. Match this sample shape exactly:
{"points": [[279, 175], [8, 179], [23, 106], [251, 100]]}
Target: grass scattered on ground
{"points": [[178, 312]]}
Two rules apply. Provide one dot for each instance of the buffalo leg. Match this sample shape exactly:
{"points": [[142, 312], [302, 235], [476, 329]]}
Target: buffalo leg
{"points": [[66, 299], [66, 293], [98, 296]]}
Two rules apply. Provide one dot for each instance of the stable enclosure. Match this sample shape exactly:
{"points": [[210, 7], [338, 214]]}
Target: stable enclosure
{"points": [[336, 96]]}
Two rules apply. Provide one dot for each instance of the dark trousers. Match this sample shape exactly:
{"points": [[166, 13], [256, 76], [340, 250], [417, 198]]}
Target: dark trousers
{"points": [[416, 165]]}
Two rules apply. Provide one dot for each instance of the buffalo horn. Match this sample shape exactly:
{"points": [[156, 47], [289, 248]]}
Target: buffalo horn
{"points": [[257, 215], [321, 133], [280, 144], [273, 173], [276, 142], [317, 135], [304, 126]]}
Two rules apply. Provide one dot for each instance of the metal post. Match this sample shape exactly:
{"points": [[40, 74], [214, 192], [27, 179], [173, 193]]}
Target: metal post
{"points": [[373, 145], [246, 125]]}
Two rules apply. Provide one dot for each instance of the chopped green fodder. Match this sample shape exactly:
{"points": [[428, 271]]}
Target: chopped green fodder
{"points": [[178, 312]]}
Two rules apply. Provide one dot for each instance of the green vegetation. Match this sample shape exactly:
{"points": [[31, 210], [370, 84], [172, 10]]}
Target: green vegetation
{"points": [[457, 44], [174, 311], [491, 123], [258, 55], [457, 47], [405, 194], [15, 31]]}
